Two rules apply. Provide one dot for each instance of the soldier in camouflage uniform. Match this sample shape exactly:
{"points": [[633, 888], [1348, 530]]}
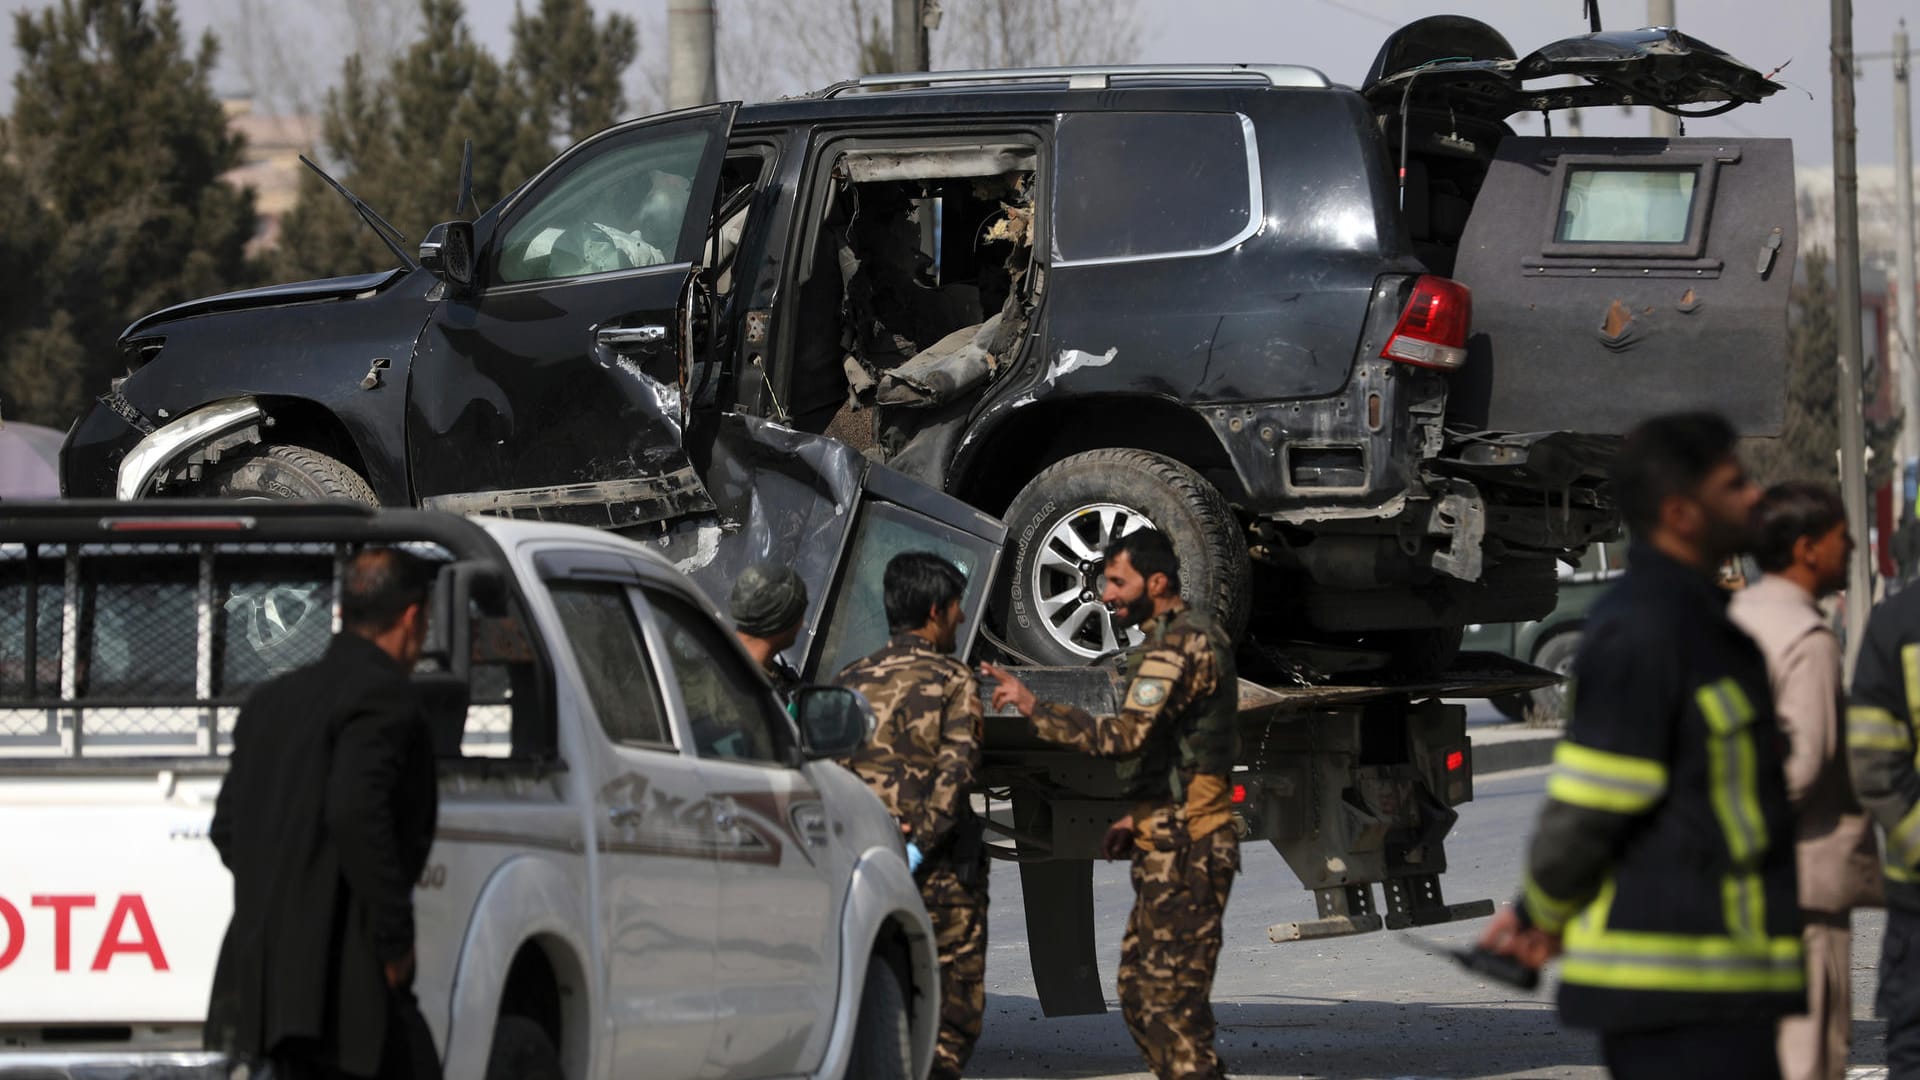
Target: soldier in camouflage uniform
{"points": [[921, 762], [768, 604], [1175, 737]]}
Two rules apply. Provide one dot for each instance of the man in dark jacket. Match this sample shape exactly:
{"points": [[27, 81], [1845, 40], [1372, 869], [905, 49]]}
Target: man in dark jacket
{"points": [[325, 820]]}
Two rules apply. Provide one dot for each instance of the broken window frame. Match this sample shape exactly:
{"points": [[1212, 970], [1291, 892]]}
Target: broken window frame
{"points": [[823, 152]]}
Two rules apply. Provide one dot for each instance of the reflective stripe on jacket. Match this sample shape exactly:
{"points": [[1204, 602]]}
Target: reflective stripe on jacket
{"points": [[1881, 713], [1665, 851]]}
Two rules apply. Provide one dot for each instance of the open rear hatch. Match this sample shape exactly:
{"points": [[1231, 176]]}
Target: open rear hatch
{"points": [[1613, 278]]}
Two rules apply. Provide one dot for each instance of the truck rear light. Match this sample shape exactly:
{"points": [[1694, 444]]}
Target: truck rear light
{"points": [[1239, 793], [1455, 760], [1432, 331]]}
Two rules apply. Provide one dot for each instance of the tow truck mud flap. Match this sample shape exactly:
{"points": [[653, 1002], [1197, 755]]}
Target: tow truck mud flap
{"points": [[1615, 279]]}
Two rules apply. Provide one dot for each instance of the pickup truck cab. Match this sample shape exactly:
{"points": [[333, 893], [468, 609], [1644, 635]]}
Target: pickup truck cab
{"points": [[643, 865]]}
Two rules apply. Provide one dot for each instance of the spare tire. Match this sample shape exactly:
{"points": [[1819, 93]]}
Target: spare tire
{"points": [[284, 472], [1048, 598]]}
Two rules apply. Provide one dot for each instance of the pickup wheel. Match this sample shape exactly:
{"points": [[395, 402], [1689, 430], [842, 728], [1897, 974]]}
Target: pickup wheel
{"points": [[1048, 598], [882, 1044], [522, 1051], [285, 472], [1556, 655]]}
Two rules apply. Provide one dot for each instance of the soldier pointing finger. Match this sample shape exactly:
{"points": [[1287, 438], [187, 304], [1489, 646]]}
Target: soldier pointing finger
{"points": [[1175, 739]]}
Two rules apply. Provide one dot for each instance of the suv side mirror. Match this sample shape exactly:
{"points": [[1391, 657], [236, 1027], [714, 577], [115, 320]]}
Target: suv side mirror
{"points": [[448, 252], [834, 721]]}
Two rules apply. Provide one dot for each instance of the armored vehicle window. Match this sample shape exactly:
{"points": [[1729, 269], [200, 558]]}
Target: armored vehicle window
{"points": [[1626, 206], [620, 211], [1143, 186], [606, 644], [730, 711]]}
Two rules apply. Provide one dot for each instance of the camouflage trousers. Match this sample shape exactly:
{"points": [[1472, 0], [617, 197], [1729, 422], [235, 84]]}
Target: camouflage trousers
{"points": [[1172, 947], [959, 914]]}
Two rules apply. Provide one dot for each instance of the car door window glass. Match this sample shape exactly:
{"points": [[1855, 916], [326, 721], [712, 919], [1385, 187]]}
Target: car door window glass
{"points": [[1146, 185], [730, 712], [856, 623], [622, 210], [600, 627]]}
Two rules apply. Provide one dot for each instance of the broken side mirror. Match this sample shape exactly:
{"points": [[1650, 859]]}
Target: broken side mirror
{"points": [[448, 252], [834, 721]]}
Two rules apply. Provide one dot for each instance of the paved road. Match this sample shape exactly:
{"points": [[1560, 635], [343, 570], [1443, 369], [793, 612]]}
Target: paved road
{"points": [[1363, 1007]]}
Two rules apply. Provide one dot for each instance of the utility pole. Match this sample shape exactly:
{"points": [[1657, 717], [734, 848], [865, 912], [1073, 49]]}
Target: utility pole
{"points": [[1903, 263], [1846, 265], [1665, 124], [909, 35], [691, 77]]}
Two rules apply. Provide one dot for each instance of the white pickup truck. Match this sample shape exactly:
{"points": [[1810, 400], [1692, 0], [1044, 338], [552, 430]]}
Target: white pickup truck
{"points": [[642, 868]]}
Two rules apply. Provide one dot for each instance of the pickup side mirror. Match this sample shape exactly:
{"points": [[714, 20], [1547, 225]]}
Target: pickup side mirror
{"points": [[834, 721], [448, 252]]}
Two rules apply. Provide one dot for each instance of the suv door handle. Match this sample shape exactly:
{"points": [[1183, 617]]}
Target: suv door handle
{"points": [[628, 338]]}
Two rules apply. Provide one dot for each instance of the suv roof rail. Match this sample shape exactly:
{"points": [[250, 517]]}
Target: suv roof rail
{"points": [[1087, 78]]}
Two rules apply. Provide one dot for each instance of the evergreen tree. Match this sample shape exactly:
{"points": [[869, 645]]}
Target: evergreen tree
{"points": [[113, 201], [396, 137], [1809, 439], [570, 67]]}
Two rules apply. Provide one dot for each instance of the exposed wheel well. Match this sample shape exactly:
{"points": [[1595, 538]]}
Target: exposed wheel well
{"points": [[546, 985], [306, 423], [922, 986], [1036, 437]]}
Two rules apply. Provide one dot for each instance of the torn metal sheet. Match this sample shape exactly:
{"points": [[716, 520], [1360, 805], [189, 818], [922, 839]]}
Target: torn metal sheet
{"points": [[607, 504], [938, 163]]}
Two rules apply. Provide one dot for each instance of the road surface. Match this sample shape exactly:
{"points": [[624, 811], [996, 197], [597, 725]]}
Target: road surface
{"points": [[1360, 1007]]}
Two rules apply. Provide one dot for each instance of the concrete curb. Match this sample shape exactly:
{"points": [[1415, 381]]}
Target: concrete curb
{"points": [[1504, 751]]}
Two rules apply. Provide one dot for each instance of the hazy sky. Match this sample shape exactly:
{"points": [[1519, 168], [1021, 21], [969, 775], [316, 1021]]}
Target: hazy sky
{"points": [[1341, 36]]}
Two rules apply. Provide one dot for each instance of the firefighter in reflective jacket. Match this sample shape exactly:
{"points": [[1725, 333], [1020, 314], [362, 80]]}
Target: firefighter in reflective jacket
{"points": [[1663, 862], [1881, 742]]}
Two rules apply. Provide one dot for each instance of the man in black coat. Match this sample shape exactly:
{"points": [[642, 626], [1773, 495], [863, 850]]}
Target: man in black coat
{"points": [[325, 820]]}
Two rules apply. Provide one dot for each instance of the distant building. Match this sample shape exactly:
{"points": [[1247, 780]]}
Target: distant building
{"points": [[270, 164]]}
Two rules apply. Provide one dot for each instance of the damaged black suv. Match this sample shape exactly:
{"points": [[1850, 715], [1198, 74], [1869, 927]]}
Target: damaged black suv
{"points": [[1361, 353]]}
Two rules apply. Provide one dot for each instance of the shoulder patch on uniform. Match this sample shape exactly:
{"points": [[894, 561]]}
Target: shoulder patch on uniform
{"points": [[1147, 693]]}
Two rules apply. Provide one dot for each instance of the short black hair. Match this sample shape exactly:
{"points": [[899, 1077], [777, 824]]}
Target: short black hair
{"points": [[915, 583], [378, 585], [1667, 456], [1151, 553], [1789, 511]]}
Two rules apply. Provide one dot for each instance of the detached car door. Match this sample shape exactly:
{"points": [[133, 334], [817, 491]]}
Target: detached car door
{"points": [[554, 386]]}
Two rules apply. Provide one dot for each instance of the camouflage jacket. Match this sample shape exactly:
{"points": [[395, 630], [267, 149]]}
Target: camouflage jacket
{"points": [[926, 744], [1178, 713]]}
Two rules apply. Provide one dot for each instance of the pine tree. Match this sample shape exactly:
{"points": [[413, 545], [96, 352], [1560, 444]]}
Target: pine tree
{"points": [[115, 206], [397, 136], [570, 68], [1809, 438]]}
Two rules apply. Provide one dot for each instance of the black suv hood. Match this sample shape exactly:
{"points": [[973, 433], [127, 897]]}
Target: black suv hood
{"points": [[1467, 65], [295, 292]]}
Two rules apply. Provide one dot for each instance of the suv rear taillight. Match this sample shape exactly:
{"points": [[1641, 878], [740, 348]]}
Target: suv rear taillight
{"points": [[1432, 331]]}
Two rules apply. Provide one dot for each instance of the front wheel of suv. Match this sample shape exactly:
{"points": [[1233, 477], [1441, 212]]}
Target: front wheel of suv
{"points": [[285, 472], [1061, 523]]}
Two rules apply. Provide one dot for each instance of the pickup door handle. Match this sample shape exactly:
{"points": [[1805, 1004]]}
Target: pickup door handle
{"points": [[623, 815], [723, 820], [630, 338]]}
